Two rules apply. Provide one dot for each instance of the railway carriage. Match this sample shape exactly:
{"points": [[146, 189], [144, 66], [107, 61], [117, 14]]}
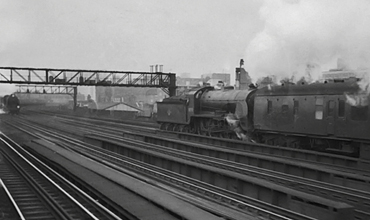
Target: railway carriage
{"points": [[322, 116]]}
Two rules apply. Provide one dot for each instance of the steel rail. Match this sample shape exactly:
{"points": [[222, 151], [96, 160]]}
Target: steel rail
{"points": [[70, 184], [292, 180], [2, 184], [326, 164], [92, 216], [91, 148]]}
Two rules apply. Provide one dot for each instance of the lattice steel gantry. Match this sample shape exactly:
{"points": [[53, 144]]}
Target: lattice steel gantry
{"points": [[46, 89], [47, 76]]}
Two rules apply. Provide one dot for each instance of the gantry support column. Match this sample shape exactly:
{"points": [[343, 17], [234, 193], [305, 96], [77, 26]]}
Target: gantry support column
{"points": [[172, 87], [74, 98]]}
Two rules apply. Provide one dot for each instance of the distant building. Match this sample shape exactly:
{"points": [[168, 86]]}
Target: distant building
{"points": [[81, 96], [188, 82], [344, 75], [214, 78], [129, 95]]}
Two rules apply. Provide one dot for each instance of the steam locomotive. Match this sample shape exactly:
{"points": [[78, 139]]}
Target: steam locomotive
{"points": [[11, 104], [319, 116]]}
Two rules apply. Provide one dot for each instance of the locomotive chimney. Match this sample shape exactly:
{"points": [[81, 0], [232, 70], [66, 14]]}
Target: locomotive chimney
{"points": [[242, 79], [237, 74]]}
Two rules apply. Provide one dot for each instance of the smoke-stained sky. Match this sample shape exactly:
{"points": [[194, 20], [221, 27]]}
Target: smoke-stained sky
{"points": [[196, 37], [314, 32]]}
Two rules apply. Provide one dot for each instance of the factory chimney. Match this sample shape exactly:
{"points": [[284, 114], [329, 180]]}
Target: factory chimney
{"points": [[156, 68]]}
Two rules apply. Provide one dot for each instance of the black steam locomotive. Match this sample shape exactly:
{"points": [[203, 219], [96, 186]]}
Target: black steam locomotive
{"points": [[11, 104], [320, 116]]}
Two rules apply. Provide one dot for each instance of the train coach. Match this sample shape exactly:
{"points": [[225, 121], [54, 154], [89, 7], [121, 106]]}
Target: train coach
{"points": [[321, 116]]}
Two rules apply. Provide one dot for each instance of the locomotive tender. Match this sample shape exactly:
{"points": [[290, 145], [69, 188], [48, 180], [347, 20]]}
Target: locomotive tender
{"points": [[320, 116]]}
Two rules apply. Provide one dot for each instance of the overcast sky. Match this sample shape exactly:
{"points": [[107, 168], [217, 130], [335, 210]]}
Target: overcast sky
{"points": [[194, 36]]}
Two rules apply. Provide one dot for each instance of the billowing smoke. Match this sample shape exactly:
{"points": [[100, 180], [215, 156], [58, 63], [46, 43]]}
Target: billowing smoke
{"points": [[361, 98], [302, 38], [357, 99]]}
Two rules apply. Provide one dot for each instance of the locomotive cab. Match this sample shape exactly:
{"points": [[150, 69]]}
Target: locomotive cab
{"points": [[176, 113]]}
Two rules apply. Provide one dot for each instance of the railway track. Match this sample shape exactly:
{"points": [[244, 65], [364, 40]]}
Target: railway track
{"points": [[329, 161], [236, 201], [346, 173], [341, 162], [220, 163], [152, 211], [102, 121], [356, 197], [147, 132], [39, 192]]}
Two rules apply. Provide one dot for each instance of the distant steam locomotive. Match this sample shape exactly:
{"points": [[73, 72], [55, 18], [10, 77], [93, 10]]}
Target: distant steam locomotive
{"points": [[321, 116], [11, 104]]}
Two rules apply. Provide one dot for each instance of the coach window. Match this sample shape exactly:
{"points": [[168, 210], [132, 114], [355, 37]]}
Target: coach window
{"points": [[341, 108], [331, 105], [319, 108], [269, 106]]}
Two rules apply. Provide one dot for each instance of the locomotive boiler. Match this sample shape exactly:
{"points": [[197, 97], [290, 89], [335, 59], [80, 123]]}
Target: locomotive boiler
{"points": [[321, 116]]}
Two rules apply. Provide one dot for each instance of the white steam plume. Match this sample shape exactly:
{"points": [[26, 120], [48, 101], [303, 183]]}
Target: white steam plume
{"points": [[298, 33]]}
